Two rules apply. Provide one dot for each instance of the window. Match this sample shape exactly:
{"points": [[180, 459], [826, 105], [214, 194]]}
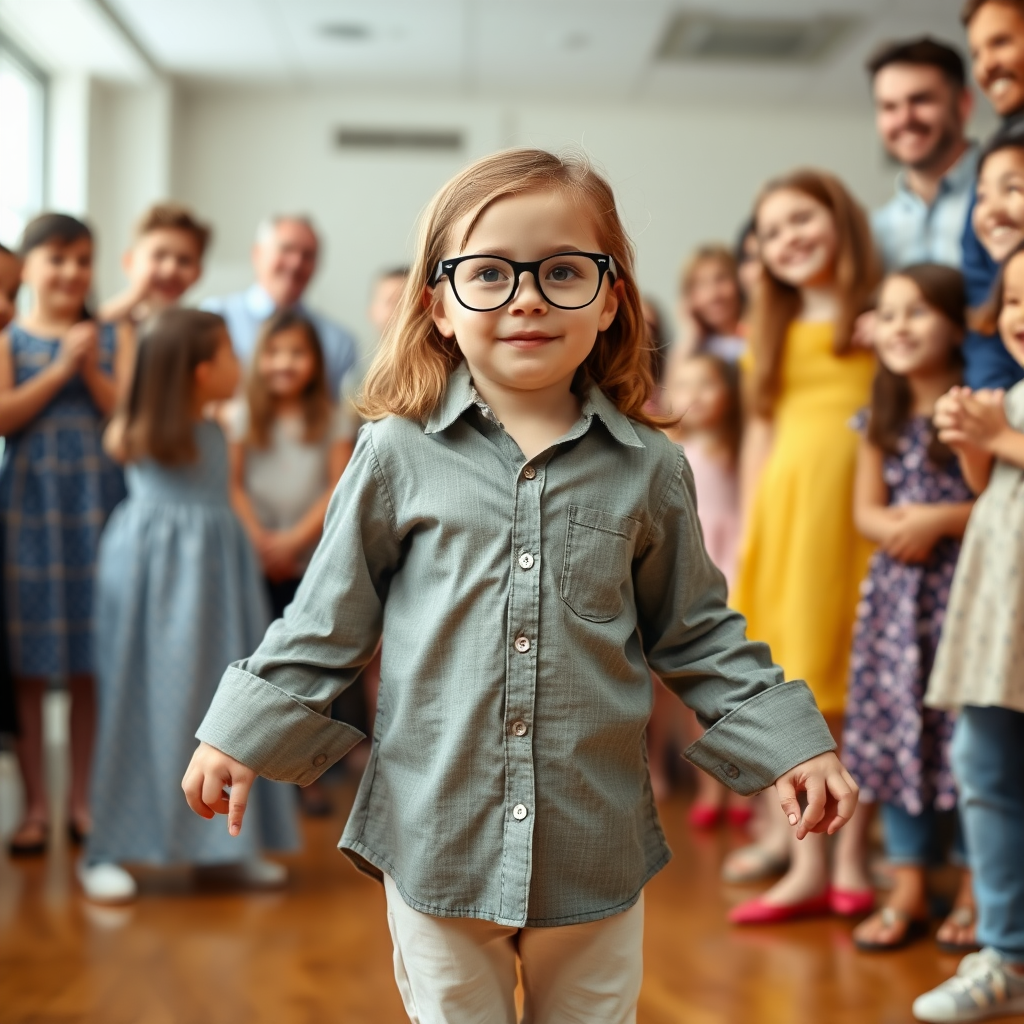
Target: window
{"points": [[23, 115]]}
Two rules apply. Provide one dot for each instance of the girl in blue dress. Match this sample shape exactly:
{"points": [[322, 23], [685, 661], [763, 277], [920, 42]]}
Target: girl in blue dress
{"points": [[58, 382], [179, 596]]}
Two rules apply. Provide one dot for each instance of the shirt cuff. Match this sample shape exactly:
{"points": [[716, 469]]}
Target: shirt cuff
{"points": [[272, 733], [763, 738]]}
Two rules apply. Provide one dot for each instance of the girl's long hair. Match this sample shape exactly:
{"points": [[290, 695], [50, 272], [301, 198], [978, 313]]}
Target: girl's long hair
{"points": [[316, 400], [414, 361], [892, 401], [777, 305], [158, 412]]}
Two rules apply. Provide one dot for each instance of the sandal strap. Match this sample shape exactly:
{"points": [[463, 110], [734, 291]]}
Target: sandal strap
{"points": [[962, 917]]}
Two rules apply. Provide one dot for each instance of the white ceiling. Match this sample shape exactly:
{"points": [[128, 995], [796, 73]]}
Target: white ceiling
{"points": [[561, 49]]}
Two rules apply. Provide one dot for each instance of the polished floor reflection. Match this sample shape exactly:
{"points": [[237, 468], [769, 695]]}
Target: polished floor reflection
{"points": [[194, 952]]}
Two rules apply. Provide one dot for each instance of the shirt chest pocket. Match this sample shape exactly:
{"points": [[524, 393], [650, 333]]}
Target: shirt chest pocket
{"points": [[598, 562]]}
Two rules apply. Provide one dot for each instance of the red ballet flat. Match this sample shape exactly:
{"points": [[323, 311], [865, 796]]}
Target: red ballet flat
{"points": [[756, 911], [704, 816], [739, 817], [850, 903]]}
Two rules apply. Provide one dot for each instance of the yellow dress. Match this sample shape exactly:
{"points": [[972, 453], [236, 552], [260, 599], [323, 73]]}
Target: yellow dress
{"points": [[802, 560]]}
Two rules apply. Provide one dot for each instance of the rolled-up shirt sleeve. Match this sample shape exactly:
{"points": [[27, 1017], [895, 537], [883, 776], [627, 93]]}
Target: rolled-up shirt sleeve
{"points": [[758, 726], [271, 711]]}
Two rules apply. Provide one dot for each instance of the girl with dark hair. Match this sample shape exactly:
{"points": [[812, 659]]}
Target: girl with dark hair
{"points": [[801, 560], [911, 500], [178, 598], [59, 375]]}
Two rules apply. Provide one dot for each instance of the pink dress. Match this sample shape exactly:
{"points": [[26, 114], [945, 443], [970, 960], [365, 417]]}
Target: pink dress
{"points": [[718, 505]]}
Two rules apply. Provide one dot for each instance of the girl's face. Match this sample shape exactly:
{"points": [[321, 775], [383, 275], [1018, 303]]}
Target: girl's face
{"points": [[998, 216], [217, 379], [526, 345], [912, 338], [714, 297], [167, 262], [1011, 316], [696, 391], [287, 363], [60, 275], [797, 236]]}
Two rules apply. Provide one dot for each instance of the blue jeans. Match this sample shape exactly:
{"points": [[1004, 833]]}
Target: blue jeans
{"points": [[916, 839], [988, 761]]}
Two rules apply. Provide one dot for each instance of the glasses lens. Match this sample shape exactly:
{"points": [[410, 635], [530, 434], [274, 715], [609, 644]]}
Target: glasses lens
{"points": [[569, 281], [484, 282]]}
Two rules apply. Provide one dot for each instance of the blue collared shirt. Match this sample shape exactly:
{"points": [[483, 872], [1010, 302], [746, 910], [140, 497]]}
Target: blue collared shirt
{"points": [[908, 230], [246, 311]]}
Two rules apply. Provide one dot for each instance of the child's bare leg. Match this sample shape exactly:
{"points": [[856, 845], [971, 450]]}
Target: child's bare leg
{"points": [[710, 792], [769, 855], [658, 731], [849, 868], [908, 899], [807, 876], [959, 929], [30, 759], [83, 734]]}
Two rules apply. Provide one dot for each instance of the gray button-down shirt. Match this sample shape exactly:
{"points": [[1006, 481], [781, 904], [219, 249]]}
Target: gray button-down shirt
{"points": [[508, 777], [908, 230]]}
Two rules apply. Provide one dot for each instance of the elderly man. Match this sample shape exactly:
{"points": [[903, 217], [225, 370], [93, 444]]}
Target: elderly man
{"points": [[922, 104], [284, 259]]}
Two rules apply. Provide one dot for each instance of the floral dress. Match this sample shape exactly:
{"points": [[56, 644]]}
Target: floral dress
{"points": [[895, 747]]}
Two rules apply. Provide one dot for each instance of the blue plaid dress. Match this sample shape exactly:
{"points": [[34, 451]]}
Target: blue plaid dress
{"points": [[57, 488]]}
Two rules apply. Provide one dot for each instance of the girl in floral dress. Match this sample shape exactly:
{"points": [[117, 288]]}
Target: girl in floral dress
{"points": [[911, 500]]}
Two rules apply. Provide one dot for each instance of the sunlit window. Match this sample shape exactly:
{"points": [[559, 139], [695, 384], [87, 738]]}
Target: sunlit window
{"points": [[22, 114]]}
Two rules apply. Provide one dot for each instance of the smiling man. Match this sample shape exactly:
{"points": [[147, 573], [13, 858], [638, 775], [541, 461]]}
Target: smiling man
{"points": [[922, 104]]}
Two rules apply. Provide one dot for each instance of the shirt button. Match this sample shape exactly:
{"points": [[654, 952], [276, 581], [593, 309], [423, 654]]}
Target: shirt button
{"points": [[522, 644], [319, 760], [731, 770], [519, 728], [519, 812], [529, 472], [526, 560]]}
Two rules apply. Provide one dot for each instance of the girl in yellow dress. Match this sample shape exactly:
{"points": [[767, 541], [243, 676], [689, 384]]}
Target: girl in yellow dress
{"points": [[802, 560]]}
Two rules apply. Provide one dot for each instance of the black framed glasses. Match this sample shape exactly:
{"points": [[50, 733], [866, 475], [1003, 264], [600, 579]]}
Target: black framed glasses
{"points": [[568, 280]]}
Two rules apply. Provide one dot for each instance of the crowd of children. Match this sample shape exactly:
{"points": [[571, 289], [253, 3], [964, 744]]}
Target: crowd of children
{"points": [[526, 489]]}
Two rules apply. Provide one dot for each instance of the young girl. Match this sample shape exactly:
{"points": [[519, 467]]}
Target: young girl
{"points": [[910, 499], [978, 674], [179, 597], [703, 391], [288, 452], [711, 304], [528, 544], [802, 559], [59, 375]]}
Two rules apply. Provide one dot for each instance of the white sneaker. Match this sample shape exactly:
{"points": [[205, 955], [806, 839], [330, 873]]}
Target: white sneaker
{"points": [[106, 883], [981, 988], [263, 874]]}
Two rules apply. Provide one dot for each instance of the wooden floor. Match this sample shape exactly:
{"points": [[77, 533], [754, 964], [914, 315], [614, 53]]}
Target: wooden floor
{"points": [[319, 953]]}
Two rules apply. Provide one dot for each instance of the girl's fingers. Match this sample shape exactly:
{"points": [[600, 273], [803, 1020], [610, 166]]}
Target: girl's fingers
{"points": [[192, 785], [815, 810], [237, 803], [213, 793], [787, 798], [845, 791]]}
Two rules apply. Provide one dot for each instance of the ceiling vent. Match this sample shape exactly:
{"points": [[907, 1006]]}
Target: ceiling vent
{"points": [[396, 140], [704, 37]]}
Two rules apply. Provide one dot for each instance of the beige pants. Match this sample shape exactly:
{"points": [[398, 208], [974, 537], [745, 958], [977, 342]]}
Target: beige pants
{"points": [[463, 970]]}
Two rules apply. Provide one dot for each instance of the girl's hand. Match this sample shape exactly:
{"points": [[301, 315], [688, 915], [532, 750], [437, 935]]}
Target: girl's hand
{"points": [[209, 772], [831, 795], [864, 330], [915, 531], [79, 346], [982, 418], [279, 553]]}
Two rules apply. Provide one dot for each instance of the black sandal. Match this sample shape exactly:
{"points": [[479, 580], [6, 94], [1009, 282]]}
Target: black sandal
{"points": [[914, 928], [962, 917], [33, 849]]}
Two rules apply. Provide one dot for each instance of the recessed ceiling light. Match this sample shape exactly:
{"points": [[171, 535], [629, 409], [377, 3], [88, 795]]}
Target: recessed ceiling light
{"points": [[350, 31]]}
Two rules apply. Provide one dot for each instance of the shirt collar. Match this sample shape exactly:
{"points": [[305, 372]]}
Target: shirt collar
{"points": [[460, 394], [957, 179], [261, 305]]}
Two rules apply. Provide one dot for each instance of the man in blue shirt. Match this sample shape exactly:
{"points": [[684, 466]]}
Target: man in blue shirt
{"points": [[995, 33], [284, 259], [922, 104]]}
